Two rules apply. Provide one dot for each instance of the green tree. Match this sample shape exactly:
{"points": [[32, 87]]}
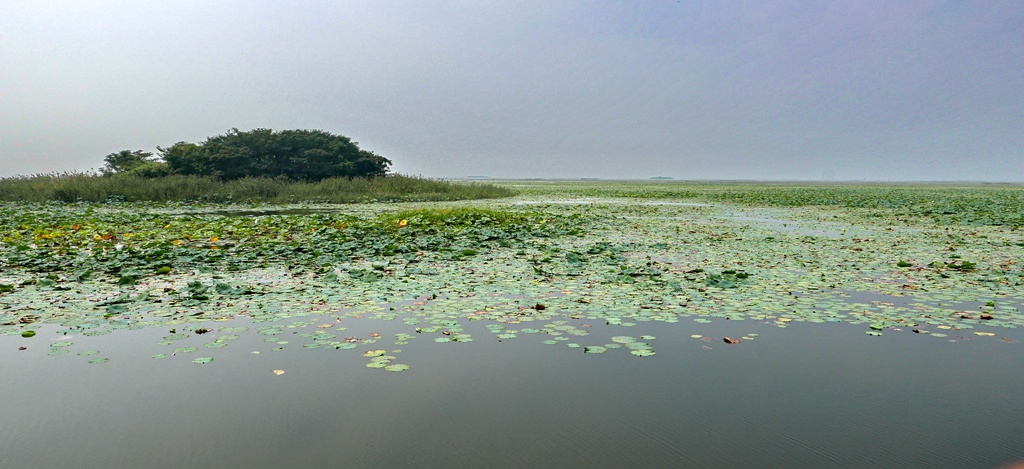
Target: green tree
{"points": [[308, 155], [125, 160], [151, 169], [186, 158]]}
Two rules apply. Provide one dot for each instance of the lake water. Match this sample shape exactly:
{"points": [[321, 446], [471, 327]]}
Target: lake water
{"points": [[809, 395], [110, 378]]}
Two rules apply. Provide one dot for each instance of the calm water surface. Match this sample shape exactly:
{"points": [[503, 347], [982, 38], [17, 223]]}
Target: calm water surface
{"points": [[811, 395]]}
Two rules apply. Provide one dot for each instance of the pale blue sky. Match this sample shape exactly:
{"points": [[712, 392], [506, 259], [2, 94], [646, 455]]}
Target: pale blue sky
{"points": [[877, 90]]}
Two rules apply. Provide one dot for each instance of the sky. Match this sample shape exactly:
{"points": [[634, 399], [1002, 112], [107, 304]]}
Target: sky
{"points": [[725, 89]]}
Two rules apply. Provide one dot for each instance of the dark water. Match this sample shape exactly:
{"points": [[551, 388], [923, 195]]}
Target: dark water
{"points": [[811, 395]]}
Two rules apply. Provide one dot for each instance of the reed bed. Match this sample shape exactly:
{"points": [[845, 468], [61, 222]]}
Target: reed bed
{"points": [[91, 187]]}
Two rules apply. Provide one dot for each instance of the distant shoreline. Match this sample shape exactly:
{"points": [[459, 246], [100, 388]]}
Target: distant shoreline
{"points": [[739, 181]]}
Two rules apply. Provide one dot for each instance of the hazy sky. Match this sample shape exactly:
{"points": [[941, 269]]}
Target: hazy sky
{"points": [[862, 89]]}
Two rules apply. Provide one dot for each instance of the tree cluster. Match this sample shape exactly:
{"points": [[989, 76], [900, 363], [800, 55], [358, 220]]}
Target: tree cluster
{"points": [[138, 162], [304, 155]]}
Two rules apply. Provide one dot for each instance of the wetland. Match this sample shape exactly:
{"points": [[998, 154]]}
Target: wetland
{"points": [[576, 324]]}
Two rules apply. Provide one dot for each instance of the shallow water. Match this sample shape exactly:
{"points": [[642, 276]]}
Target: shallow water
{"points": [[816, 393], [810, 395]]}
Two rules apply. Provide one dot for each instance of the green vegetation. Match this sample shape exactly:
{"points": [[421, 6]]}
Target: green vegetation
{"points": [[81, 244], [447, 218], [943, 203], [129, 187], [260, 165], [578, 267], [138, 163], [297, 155]]}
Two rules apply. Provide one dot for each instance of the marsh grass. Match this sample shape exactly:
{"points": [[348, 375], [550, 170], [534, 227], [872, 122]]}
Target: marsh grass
{"points": [[88, 187], [944, 203]]}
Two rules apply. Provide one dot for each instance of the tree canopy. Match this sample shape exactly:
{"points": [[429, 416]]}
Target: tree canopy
{"points": [[125, 160], [305, 155]]}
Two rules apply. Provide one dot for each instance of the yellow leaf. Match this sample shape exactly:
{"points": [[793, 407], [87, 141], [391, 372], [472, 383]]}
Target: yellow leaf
{"points": [[403, 222], [278, 372], [214, 239]]}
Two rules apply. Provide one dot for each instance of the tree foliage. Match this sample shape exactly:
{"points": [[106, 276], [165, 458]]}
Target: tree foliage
{"points": [[126, 160], [306, 155]]}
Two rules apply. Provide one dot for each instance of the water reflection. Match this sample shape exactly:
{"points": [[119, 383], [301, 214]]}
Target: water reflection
{"points": [[806, 396]]}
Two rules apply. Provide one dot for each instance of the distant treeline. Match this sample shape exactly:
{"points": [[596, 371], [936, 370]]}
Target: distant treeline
{"points": [[131, 187], [298, 155], [260, 165]]}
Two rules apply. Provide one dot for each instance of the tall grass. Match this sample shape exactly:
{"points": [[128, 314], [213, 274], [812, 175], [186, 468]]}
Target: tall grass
{"points": [[89, 187]]}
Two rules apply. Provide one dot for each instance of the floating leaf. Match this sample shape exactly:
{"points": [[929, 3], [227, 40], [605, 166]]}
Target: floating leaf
{"points": [[202, 360]]}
